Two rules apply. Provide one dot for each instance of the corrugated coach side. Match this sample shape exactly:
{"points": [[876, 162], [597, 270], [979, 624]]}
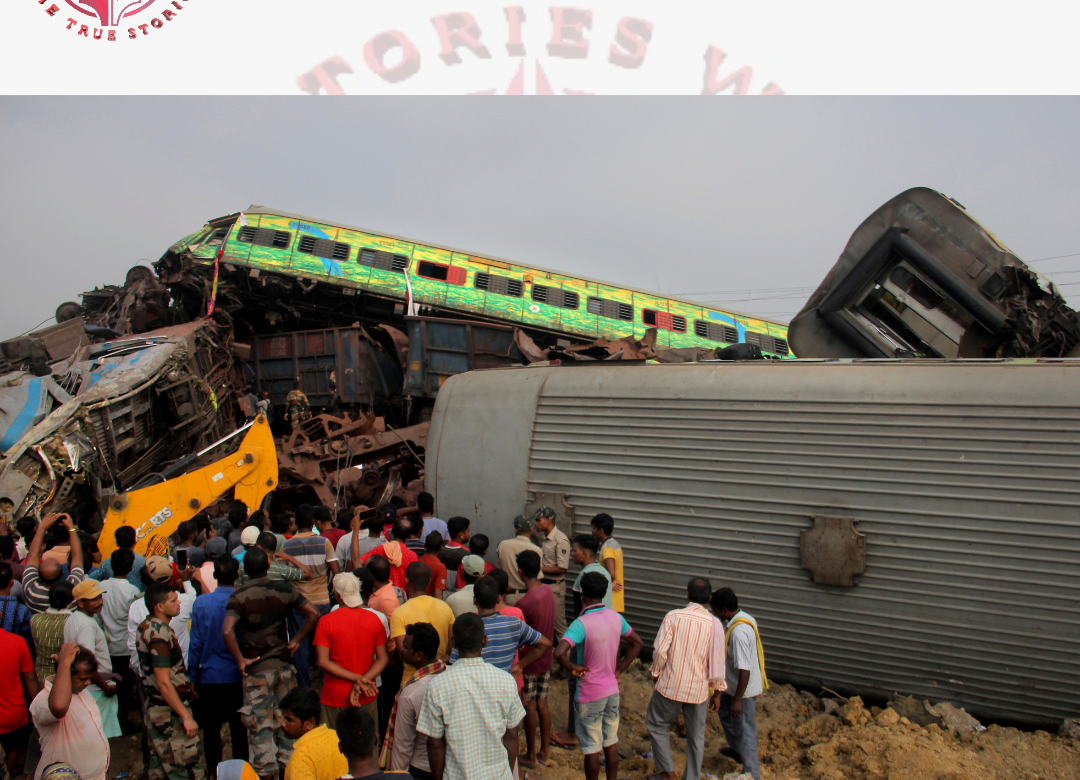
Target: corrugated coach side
{"points": [[962, 476]]}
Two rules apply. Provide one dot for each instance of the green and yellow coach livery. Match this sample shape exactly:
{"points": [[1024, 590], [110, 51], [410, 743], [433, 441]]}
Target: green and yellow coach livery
{"points": [[447, 281]]}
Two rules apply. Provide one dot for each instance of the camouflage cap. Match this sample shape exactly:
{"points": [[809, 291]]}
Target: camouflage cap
{"points": [[544, 511], [522, 524]]}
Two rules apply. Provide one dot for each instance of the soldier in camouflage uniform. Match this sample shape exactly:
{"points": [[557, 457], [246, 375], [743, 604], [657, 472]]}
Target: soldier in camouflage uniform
{"points": [[264, 655], [173, 733], [298, 408]]}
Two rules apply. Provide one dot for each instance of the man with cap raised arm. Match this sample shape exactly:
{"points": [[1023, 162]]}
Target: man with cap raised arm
{"points": [[554, 562], [83, 629], [507, 553]]}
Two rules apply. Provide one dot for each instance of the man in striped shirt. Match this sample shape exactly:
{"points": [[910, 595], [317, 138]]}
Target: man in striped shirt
{"points": [[504, 634], [688, 656], [315, 555]]}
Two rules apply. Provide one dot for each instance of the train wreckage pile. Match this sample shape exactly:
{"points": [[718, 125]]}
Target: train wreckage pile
{"points": [[138, 377]]}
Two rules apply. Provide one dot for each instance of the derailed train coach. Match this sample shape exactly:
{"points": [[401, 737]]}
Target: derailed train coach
{"points": [[111, 414], [899, 526], [920, 277]]}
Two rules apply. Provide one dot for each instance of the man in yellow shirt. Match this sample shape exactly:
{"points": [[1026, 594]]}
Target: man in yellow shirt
{"points": [[315, 755], [421, 608], [611, 558]]}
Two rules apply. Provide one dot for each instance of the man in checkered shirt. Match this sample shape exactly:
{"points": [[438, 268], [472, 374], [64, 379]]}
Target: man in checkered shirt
{"points": [[471, 713]]}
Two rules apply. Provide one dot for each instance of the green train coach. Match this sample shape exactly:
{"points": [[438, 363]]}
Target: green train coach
{"points": [[448, 281]]}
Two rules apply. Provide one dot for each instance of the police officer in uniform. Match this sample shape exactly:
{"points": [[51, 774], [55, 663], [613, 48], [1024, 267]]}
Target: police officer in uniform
{"points": [[554, 560]]}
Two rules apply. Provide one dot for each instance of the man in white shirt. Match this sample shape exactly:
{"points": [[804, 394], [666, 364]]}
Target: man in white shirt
{"points": [[461, 601], [158, 570], [84, 629], [119, 593], [745, 681]]}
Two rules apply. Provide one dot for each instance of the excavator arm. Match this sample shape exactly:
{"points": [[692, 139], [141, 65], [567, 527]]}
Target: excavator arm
{"points": [[156, 511]]}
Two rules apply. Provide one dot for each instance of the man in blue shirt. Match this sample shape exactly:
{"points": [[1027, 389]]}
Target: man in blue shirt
{"points": [[213, 669], [504, 634], [125, 539]]}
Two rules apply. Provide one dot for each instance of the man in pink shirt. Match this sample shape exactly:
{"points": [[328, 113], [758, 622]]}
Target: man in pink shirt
{"points": [[67, 718], [595, 636], [688, 656]]}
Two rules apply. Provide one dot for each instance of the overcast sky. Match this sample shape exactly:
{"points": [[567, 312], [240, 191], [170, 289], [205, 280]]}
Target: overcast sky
{"points": [[681, 195]]}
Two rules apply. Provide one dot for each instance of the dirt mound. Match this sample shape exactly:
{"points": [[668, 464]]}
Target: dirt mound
{"points": [[802, 737]]}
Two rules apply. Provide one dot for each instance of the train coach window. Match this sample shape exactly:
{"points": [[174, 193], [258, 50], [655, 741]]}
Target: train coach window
{"points": [[278, 239], [662, 319], [322, 247], [553, 296], [610, 309], [713, 331], [768, 343], [500, 285], [383, 261], [440, 272]]}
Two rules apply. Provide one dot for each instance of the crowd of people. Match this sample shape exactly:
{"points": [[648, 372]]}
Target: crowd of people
{"points": [[350, 646]]}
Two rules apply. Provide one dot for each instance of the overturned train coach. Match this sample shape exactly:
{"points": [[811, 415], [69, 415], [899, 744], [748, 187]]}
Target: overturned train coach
{"points": [[921, 278], [895, 525]]}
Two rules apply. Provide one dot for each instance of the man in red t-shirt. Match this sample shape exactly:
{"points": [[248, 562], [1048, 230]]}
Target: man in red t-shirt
{"points": [[350, 645], [538, 607], [432, 545], [16, 672]]}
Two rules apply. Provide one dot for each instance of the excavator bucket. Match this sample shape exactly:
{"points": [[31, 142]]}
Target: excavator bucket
{"points": [[156, 511]]}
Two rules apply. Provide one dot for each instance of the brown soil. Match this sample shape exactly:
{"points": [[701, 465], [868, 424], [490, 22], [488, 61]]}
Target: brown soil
{"points": [[799, 740]]}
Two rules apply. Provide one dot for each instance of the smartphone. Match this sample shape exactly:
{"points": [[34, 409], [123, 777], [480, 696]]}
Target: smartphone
{"points": [[181, 559]]}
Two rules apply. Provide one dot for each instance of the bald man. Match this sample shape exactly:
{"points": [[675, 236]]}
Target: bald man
{"points": [[39, 576]]}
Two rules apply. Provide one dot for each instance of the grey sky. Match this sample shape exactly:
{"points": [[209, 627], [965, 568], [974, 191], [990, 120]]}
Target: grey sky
{"points": [[675, 194]]}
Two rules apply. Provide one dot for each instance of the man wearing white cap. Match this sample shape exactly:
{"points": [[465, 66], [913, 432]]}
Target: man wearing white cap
{"points": [[461, 600], [350, 648], [84, 629]]}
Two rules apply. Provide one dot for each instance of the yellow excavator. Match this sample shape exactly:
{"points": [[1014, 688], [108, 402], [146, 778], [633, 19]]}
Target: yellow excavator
{"points": [[155, 510]]}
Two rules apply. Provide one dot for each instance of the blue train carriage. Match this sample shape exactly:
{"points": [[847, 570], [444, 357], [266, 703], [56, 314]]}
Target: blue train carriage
{"points": [[449, 280]]}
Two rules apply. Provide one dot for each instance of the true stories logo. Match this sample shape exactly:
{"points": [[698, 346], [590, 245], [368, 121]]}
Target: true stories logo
{"points": [[111, 20], [425, 56]]}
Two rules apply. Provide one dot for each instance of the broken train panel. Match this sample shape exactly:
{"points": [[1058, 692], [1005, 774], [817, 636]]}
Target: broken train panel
{"points": [[136, 404]]}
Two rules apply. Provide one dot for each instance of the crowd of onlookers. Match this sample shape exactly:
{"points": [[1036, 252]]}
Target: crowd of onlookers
{"points": [[362, 644]]}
